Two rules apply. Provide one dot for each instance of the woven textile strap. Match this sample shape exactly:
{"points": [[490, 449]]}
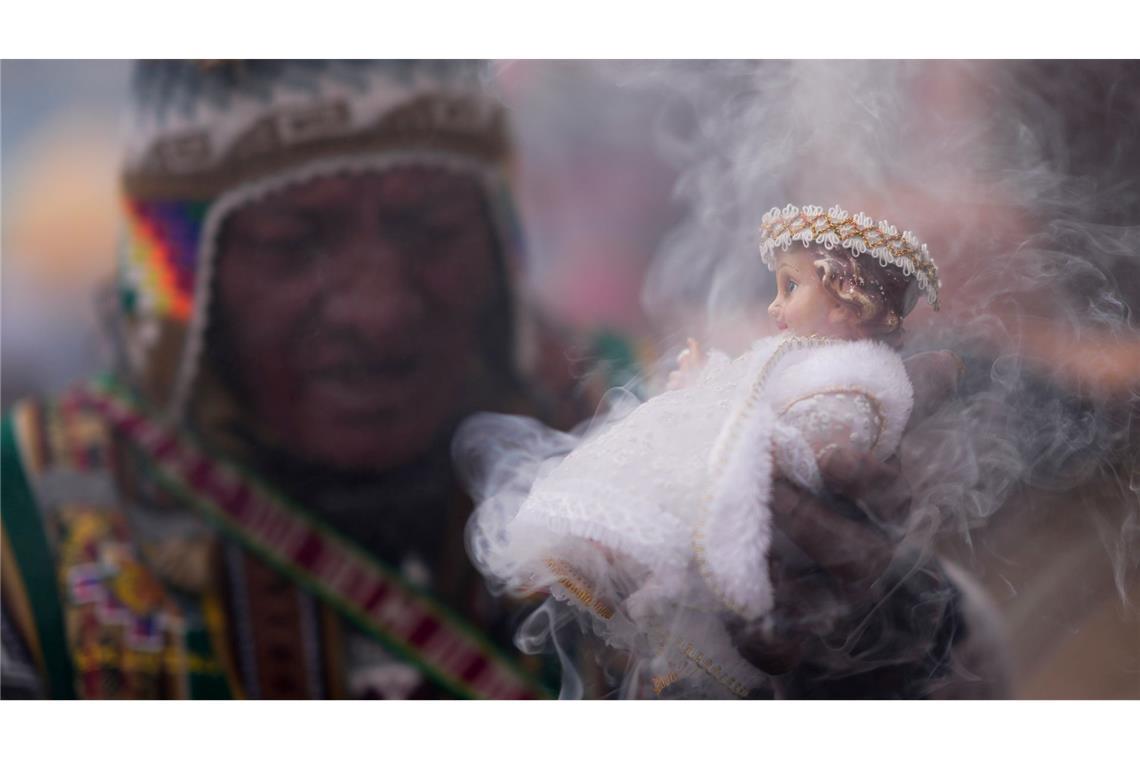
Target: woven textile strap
{"points": [[374, 596]]}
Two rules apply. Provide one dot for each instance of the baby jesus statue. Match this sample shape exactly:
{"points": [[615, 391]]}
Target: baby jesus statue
{"points": [[654, 525]]}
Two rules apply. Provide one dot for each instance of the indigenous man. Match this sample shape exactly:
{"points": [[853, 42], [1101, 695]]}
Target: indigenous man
{"points": [[318, 284]]}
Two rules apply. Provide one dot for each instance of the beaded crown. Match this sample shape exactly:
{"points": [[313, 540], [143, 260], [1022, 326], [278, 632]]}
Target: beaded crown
{"points": [[859, 233]]}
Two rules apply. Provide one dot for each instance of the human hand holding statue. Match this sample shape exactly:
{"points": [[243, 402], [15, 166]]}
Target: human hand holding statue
{"points": [[828, 569]]}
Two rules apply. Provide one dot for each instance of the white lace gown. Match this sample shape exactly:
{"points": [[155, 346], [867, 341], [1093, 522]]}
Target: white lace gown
{"points": [[656, 522]]}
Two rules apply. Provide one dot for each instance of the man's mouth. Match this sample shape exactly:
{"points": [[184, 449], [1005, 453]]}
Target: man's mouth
{"points": [[352, 371], [363, 387]]}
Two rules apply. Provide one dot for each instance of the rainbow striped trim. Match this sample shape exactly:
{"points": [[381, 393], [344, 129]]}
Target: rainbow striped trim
{"points": [[162, 254]]}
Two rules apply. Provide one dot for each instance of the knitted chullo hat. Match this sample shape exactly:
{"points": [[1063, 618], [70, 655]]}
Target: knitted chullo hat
{"points": [[208, 137]]}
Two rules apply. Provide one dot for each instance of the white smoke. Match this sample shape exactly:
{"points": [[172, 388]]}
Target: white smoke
{"points": [[1023, 179]]}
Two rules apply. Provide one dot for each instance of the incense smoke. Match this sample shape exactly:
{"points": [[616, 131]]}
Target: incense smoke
{"points": [[1023, 178]]}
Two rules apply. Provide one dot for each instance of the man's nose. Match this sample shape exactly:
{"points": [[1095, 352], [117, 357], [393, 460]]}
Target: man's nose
{"points": [[374, 286]]}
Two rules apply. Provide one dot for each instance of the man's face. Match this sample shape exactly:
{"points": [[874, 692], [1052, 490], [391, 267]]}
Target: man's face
{"points": [[350, 309]]}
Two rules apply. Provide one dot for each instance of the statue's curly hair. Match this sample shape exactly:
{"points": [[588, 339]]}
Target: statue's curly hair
{"points": [[875, 293]]}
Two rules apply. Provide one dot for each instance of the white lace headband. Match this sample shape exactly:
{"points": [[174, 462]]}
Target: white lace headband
{"points": [[858, 234]]}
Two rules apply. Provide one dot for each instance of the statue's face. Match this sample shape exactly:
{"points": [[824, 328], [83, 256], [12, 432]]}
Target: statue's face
{"points": [[803, 306], [350, 311]]}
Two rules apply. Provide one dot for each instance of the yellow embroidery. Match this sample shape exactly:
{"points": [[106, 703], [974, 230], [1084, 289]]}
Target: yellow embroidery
{"points": [[714, 670], [660, 683], [573, 583]]}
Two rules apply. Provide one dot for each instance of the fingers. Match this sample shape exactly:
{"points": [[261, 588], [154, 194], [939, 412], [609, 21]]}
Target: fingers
{"points": [[878, 488], [763, 648], [808, 602], [851, 552], [843, 470]]}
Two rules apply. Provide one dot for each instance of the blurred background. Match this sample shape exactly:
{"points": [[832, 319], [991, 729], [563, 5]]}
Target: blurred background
{"points": [[60, 148], [641, 185]]}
